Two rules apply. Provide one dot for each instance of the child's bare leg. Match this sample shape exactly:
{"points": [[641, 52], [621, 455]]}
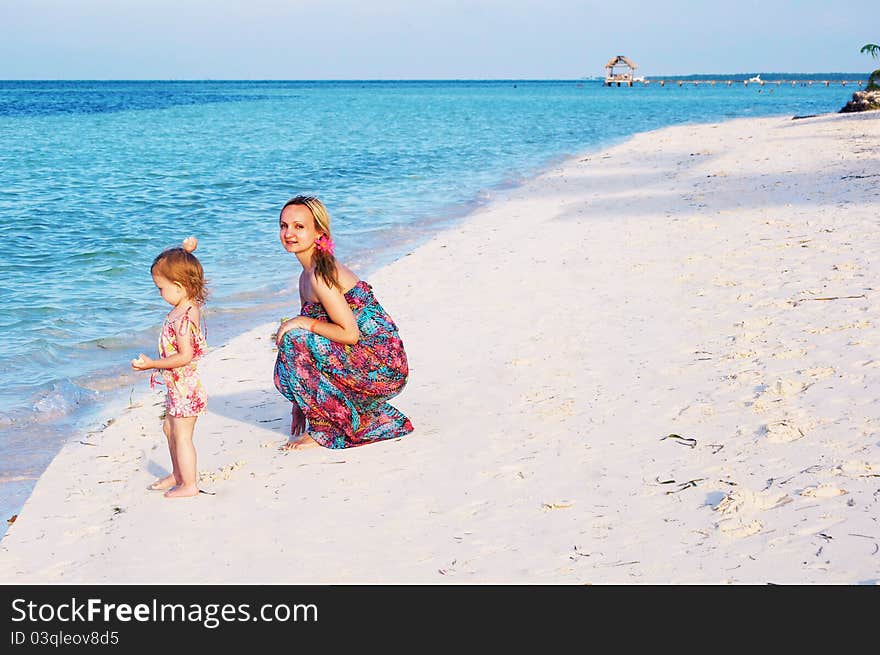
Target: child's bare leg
{"points": [[174, 478], [185, 457]]}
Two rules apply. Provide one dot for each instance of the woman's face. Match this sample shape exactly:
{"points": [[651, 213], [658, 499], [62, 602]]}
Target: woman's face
{"points": [[297, 229]]}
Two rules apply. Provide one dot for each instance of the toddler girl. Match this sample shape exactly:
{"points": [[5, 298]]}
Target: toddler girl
{"points": [[180, 279]]}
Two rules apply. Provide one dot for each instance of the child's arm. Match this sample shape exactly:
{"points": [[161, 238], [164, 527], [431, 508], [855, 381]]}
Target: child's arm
{"points": [[183, 356], [143, 363]]}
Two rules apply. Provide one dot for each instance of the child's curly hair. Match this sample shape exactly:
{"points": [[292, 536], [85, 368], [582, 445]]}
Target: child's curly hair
{"points": [[181, 266]]}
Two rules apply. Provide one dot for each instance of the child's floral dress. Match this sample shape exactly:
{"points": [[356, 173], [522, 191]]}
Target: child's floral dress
{"points": [[186, 396], [343, 390]]}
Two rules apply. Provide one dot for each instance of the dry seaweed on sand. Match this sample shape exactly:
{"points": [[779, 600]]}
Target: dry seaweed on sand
{"points": [[685, 441], [685, 485]]}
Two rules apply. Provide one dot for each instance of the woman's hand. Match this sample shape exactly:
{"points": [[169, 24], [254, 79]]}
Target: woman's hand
{"points": [[297, 421], [296, 322], [142, 363]]}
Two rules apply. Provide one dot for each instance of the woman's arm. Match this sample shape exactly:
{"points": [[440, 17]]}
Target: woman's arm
{"points": [[342, 326]]}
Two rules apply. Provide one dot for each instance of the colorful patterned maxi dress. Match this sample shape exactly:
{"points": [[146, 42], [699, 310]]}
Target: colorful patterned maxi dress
{"points": [[343, 389], [186, 396]]}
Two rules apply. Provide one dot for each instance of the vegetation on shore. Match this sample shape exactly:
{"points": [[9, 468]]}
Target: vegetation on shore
{"points": [[874, 50], [869, 98]]}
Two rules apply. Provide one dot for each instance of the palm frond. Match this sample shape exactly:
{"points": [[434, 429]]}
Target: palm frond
{"points": [[871, 49]]}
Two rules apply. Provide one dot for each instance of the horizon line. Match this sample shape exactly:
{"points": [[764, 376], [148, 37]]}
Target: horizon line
{"points": [[589, 78]]}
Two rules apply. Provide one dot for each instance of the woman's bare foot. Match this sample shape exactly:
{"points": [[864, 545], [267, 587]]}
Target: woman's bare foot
{"points": [[182, 491], [164, 483], [298, 443]]}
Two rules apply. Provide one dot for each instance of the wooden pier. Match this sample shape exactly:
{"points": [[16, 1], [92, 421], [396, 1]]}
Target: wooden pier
{"points": [[749, 82]]}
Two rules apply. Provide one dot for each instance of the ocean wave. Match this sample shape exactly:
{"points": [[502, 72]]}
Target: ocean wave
{"points": [[62, 398]]}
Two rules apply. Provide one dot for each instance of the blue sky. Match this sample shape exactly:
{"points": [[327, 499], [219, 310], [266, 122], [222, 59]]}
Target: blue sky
{"points": [[433, 39]]}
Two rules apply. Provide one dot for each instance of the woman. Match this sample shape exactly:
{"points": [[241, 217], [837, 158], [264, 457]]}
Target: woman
{"points": [[341, 360]]}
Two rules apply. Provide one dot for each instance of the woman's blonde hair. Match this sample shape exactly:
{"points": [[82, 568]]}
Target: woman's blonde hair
{"points": [[179, 265], [325, 262]]}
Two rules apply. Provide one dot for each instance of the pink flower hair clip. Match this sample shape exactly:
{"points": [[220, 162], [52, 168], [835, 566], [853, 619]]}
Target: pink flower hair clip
{"points": [[324, 244]]}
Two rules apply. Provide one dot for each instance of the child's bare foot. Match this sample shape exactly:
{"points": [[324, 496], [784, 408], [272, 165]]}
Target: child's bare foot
{"points": [[182, 491], [165, 483], [298, 443]]}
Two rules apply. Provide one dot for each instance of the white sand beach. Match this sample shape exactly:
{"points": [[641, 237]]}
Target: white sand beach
{"points": [[714, 282]]}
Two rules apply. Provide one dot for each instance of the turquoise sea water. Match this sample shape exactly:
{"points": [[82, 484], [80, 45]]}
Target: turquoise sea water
{"points": [[96, 178]]}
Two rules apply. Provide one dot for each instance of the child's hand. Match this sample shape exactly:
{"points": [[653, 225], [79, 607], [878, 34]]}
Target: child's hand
{"points": [[142, 363]]}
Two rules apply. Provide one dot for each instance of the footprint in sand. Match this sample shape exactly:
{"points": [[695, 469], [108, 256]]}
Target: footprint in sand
{"points": [[738, 509], [748, 333], [823, 490], [818, 373], [223, 473], [740, 530], [783, 431], [774, 393], [790, 354], [743, 501], [723, 282], [742, 354], [858, 325], [856, 468], [697, 410], [847, 269], [759, 324]]}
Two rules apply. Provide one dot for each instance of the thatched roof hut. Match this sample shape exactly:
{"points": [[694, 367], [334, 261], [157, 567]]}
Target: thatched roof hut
{"points": [[626, 67], [620, 59]]}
